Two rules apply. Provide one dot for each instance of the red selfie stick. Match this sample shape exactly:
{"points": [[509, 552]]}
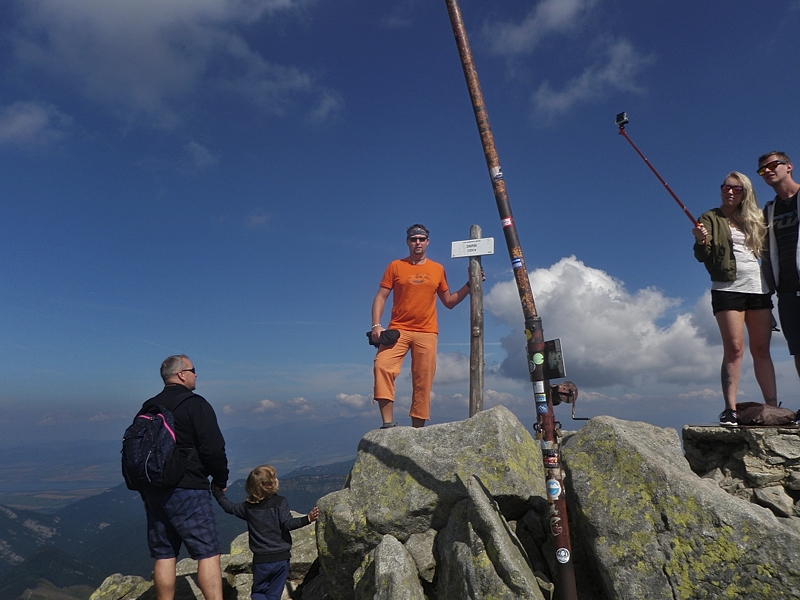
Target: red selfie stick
{"points": [[622, 119]]}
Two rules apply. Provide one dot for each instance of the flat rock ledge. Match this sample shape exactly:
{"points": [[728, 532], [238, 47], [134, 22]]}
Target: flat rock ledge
{"points": [[758, 464]]}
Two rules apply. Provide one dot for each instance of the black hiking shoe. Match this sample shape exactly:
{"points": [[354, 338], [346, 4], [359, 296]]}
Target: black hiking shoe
{"points": [[728, 418], [389, 425]]}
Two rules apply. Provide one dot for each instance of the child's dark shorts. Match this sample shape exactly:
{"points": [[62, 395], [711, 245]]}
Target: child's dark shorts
{"points": [[181, 515]]}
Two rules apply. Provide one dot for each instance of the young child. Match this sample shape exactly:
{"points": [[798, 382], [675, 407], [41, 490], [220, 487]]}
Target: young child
{"points": [[269, 523]]}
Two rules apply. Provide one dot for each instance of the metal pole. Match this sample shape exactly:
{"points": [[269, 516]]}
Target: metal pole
{"points": [[476, 329], [546, 423]]}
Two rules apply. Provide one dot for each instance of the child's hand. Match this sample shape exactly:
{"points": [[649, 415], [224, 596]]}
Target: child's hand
{"points": [[312, 516]]}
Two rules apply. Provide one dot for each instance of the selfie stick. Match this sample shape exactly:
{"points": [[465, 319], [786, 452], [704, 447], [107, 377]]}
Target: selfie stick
{"points": [[622, 119]]}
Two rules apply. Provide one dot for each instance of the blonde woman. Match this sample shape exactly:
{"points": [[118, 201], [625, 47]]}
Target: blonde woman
{"points": [[729, 241]]}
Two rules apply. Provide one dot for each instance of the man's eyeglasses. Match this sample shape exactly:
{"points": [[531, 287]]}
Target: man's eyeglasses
{"points": [[414, 240], [772, 165], [189, 370], [736, 189]]}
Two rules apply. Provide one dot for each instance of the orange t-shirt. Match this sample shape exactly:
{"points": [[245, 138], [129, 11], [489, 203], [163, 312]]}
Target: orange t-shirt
{"points": [[414, 289]]}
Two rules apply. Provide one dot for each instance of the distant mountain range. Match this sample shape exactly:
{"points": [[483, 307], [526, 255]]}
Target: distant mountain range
{"points": [[48, 475], [105, 534]]}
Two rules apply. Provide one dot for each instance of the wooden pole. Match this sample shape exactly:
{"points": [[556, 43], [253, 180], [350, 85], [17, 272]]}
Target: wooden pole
{"points": [[476, 329]]}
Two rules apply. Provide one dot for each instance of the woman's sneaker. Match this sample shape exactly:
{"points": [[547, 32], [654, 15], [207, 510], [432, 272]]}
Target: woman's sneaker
{"points": [[728, 418]]}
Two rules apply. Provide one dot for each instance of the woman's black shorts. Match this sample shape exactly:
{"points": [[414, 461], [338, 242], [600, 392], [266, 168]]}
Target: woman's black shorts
{"points": [[722, 300]]}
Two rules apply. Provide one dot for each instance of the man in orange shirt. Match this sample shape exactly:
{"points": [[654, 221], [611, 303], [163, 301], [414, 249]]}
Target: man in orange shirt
{"points": [[415, 282]]}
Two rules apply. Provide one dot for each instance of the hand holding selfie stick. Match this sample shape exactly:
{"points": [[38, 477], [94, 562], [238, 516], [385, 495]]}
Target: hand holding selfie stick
{"points": [[622, 119]]}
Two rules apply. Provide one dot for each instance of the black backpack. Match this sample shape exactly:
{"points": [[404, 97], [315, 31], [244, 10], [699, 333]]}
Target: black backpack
{"points": [[150, 455]]}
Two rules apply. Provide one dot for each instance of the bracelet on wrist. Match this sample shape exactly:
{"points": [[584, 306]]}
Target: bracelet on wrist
{"points": [[376, 325]]}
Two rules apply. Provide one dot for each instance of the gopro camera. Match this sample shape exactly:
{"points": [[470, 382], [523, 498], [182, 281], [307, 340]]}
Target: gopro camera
{"points": [[622, 119]]}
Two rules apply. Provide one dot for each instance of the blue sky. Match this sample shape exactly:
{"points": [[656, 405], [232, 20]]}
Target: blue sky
{"points": [[229, 179]]}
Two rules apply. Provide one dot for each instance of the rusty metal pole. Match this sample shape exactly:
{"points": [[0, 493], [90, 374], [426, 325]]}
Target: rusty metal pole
{"points": [[476, 329], [546, 423]]}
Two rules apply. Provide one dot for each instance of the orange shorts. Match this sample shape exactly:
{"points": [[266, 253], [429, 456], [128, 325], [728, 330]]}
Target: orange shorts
{"points": [[389, 360]]}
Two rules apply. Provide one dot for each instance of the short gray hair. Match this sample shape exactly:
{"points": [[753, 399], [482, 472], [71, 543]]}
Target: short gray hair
{"points": [[173, 365]]}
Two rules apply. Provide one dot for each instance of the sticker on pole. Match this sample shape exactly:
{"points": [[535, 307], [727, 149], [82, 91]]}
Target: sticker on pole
{"points": [[562, 555], [477, 247]]}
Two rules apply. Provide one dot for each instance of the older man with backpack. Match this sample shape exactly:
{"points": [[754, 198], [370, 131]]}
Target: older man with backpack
{"points": [[168, 454]]}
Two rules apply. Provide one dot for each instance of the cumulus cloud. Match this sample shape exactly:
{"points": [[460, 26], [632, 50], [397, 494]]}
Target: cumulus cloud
{"points": [[609, 335], [452, 368], [265, 405], [32, 124], [299, 405], [616, 71], [353, 400], [139, 59], [548, 16]]}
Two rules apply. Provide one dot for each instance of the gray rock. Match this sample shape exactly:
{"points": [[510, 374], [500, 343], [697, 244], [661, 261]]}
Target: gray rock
{"points": [[776, 499], [304, 550], [657, 530], [315, 589], [469, 555], [393, 572], [407, 481], [420, 547], [122, 587]]}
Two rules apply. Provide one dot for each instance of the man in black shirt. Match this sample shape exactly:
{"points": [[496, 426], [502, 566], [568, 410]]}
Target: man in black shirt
{"points": [[184, 514], [781, 262]]}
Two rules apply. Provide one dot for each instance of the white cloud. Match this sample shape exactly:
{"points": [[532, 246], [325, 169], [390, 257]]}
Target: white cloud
{"points": [[452, 368], [609, 336], [546, 17], [353, 400], [32, 124], [265, 405], [140, 59], [616, 72], [300, 405]]}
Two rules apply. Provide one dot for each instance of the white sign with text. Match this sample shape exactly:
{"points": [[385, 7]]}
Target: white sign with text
{"points": [[478, 247]]}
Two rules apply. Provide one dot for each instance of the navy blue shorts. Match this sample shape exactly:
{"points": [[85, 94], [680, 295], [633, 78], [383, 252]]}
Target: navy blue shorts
{"points": [[722, 300], [789, 313], [181, 515]]}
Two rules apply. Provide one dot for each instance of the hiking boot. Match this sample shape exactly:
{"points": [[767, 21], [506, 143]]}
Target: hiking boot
{"points": [[728, 418]]}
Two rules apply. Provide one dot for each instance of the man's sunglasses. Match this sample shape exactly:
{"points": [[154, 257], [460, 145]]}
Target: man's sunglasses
{"points": [[771, 166], [414, 240], [190, 371]]}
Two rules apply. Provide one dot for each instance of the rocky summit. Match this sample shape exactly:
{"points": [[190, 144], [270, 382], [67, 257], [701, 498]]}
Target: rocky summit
{"points": [[459, 511]]}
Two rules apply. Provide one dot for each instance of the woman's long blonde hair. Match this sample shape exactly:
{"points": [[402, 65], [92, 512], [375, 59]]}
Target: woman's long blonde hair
{"points": [[748, 215]]}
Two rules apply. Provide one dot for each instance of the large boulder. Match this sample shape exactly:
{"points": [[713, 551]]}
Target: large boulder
{"points": [[406, 481], [657, 530], [479, 556]]}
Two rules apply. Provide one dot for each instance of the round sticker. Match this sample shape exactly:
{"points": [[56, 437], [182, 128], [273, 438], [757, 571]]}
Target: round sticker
{"points": [[562, 555], [538, 358], [553, 488]]}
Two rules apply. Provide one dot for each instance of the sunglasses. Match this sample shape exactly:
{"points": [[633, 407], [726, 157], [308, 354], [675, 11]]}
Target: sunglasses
{"points": [[189, 370], [736, 189], [414, 240], [771, 166]]}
